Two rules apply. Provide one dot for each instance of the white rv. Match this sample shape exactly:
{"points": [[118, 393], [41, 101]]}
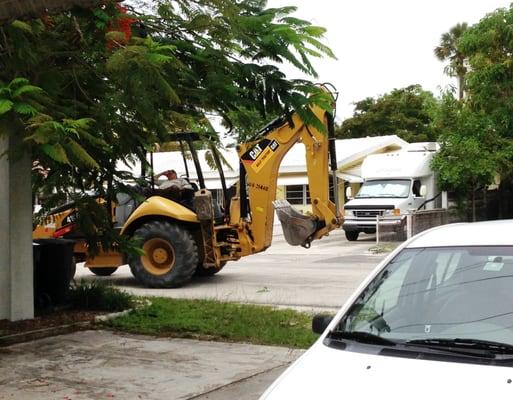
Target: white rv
{"points": [[394, 183]]}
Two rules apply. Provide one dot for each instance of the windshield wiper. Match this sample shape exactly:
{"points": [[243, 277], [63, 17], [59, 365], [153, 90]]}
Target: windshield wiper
{"points": [[464, 345], [361, 337]]}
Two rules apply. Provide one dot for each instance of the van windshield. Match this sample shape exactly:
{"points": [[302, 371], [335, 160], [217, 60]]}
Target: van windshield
{"points": [[385, 188]]}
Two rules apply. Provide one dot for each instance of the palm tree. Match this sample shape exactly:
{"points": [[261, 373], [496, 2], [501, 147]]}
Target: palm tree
{"points": [[448, 50]]}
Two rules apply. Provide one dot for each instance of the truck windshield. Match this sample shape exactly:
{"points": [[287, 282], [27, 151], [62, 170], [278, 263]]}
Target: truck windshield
{"points": [[385, 188], [441, 293]]}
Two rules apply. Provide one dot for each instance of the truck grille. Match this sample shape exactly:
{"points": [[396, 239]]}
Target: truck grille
{"points": [[368, 213]]}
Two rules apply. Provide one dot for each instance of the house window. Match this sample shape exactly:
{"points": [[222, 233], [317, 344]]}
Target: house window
{"points": [[300, 194], [297, 194]]}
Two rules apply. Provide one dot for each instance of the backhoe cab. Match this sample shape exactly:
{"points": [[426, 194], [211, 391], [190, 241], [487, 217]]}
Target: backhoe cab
{"points": [[191, 235]]}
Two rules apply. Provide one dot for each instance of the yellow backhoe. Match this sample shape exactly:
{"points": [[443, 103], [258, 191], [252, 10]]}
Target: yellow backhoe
{"points": [[185, 234]]}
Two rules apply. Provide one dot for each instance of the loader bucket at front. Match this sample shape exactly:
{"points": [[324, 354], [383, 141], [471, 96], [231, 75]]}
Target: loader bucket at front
{"points": [[297, 228]]}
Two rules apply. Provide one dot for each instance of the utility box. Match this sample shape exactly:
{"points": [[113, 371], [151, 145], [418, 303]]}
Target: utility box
{"points": [[54, 268]]}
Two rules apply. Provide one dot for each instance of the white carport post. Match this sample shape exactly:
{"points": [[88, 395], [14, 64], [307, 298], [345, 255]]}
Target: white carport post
{"points": [[16, 263]]}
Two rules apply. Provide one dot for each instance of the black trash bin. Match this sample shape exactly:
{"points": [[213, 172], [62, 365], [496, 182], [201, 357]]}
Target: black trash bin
{"points": [[54, 268]]}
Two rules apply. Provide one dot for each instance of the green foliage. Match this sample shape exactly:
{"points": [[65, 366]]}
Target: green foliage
{"points": [[60, 140], [488, 46], [477, 143], [246, 122], [219, 321], [17, 24], [471, 152], [20, 97], [87, 92], [96, 295], [407, 113], [448, 50], [5, 106]]}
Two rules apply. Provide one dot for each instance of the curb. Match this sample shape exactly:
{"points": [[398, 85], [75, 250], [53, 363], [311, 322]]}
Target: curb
{"points": [[42, 333], [29, 336]]}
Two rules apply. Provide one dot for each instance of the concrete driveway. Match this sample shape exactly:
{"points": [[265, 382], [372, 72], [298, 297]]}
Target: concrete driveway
{"points": [[104, 365]]}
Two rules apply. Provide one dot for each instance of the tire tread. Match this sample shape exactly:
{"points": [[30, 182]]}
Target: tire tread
{"points": [[186, 255]]}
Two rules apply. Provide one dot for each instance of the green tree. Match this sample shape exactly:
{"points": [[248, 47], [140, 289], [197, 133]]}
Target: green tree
{"points": [[471, 151], [489, 88], [448, 50], [405, 112], [89, 88]]}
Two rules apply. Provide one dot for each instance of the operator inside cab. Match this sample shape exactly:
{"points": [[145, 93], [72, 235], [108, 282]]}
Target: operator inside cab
{"points": [[173, 181]]}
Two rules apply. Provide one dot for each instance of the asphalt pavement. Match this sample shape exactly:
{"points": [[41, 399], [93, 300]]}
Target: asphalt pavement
{"points": [[319, 278]]}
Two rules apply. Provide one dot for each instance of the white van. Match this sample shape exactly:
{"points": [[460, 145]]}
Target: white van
{"points": [[394, 183]]}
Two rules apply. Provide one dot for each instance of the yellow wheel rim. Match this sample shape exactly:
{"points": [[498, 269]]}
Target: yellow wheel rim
{"points": [[159, 256]]}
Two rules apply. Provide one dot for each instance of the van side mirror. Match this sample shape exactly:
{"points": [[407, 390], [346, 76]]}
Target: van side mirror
{"points": [[423, 191], [320, 322], [349, 192]]}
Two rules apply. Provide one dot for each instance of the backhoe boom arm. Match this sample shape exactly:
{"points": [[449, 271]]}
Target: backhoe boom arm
{"points": [[260, 160]]}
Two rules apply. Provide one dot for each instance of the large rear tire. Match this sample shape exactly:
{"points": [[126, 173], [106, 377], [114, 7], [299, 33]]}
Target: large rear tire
{"points": [[352, 236], [171, 255], [202, 271]]}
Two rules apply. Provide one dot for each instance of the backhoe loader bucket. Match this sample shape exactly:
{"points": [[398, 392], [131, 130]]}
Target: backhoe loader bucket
{"points": [[297, 228]]}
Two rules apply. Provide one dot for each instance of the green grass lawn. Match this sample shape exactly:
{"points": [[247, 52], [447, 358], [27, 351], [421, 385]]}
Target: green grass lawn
{"points": [[215, 320]]}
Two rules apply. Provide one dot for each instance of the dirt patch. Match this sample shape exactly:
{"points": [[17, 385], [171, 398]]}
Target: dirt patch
{"points": [[47, 320]]}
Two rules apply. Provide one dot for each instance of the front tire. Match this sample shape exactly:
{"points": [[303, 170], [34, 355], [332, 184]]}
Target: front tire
{"points": [[171, 255], [352, 236]]}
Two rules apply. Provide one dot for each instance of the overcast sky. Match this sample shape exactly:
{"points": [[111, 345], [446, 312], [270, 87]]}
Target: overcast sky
{"points": [[381, 45]]}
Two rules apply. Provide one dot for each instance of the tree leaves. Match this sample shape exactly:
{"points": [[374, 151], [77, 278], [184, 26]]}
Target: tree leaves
{"points": [[5, 106], [56, 152], [200, 22], [86, 103], [25, 88], [24, 109], [477, 138], [59, 140], [23, 26], [448, 50], [406, 112], [78, 153]]}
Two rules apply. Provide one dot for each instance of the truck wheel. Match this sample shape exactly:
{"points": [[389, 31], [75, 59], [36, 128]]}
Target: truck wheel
{"points": [[202, 271], [352, 236], [171, 255], [103, 271]]}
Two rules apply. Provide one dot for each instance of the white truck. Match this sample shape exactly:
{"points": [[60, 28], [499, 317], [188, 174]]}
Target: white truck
{"points": [[394, 183]]}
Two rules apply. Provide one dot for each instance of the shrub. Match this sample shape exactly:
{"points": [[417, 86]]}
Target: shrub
{"points": [[96, 295]]}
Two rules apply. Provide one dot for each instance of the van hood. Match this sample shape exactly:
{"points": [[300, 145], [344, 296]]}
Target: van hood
{"points": [[389, 202], [327, 373]]}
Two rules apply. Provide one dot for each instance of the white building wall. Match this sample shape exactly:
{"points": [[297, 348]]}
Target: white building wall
{"points": [[16, 264]]}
